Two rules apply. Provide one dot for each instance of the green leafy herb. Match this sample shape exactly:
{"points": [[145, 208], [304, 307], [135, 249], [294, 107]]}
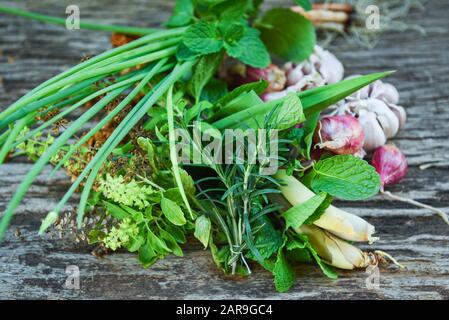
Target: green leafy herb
{"points": [[284, 275], [182, 14], [346, 177], [305, 212], [249, 49], [287, 34], [289, 113], [203, 37], [203, 229], [173, 212]]}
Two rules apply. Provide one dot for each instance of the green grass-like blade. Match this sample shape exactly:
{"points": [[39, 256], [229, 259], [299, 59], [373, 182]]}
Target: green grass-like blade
{"points": [[172, 143], [83, 24], [121, 131], [108, 117], [313, 100], [51, 151], [33, 95]]}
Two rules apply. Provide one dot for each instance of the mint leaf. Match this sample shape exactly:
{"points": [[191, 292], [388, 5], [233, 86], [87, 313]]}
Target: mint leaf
{"points": [[249, 49], [204, 70], [214, 90], [184, 53], [232, 9], [182, 14], [346, 177], [202, 229], [284, 275], [296, 216], [203, 37], [267, 239], [327, 269], [305, 4], [287, 34], [289, 113], [173, 212]]}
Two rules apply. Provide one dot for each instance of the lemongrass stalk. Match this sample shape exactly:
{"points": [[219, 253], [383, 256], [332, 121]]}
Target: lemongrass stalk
{"points": [[149, 38], [83, 24], [51, 151], [312, 101], [337, 252], [124, 127], [108, 117], [341, 223]]}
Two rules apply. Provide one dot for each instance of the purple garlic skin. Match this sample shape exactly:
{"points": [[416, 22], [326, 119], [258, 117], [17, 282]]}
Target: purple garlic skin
{"points": [[341, 134], [390, 163]]}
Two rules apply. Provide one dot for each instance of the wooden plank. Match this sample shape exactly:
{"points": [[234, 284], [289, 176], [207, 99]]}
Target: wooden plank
{"points": [[31, 267]]}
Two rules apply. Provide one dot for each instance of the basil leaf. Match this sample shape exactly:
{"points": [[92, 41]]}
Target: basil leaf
{"points": [[346, 177], [287, 34], [203, 37], [202, 229], [182, 14], [171, 243], [115, 210], [172, 212], [147, 256], [258, 87]]}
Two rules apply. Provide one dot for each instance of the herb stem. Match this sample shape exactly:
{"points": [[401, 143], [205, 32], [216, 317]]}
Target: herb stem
{"points": [[83, 24]]}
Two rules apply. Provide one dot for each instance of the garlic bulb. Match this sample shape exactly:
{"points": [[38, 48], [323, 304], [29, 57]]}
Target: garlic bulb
{"points": [[321, 63], [376, 107]]}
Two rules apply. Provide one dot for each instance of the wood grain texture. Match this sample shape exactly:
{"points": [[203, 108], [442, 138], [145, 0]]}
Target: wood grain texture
{"points": [[32, 267]]}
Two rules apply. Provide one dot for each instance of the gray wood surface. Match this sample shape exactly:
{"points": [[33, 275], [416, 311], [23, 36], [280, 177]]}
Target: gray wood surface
{"points": [[32, 267]]}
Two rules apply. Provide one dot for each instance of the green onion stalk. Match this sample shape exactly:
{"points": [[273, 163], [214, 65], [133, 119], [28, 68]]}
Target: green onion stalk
{"points": [[123, 72]]}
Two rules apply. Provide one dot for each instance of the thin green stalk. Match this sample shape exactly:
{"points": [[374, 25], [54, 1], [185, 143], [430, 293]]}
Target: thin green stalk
{"points": [[80, 103], [83, 24], [313, 100], [16, 129], [93, 73], [151, 47], [173, 156], [29, 97], [109, 117], [124, 127], [51, 151], [47, 101]]}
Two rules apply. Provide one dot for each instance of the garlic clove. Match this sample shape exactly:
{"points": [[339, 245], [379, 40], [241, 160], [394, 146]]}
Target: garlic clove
{"points": [[400, 114], [295, 75], [330, 68], [374, 134], [385, 116], [390, 163], [385, 92]]}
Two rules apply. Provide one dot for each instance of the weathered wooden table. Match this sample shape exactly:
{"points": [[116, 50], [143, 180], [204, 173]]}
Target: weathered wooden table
{"points": [[31, 267]]}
